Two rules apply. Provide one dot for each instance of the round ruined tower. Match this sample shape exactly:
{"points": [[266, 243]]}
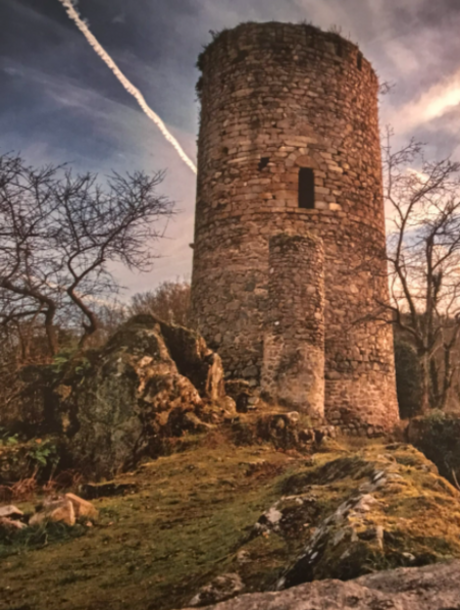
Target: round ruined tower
{"points": [[289, 143]]}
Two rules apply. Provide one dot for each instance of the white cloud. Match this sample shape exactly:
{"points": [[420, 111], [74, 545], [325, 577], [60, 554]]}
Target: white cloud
{"points": [[432, 104], [404, 59]]}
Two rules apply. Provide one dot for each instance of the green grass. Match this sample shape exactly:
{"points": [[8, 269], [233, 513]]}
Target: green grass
{"points": [[153, 548], [193, 514]]}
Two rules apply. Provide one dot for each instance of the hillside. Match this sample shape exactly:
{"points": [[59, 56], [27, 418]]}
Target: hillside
{"points": [[252, 511]]}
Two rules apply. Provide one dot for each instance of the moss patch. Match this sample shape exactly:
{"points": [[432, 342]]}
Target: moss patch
{"points": [[153, 548], [253, 510], [387, 508]]}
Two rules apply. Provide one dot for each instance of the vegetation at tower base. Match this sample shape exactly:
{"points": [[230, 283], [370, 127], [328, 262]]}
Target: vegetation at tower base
{"points": [[408, 385], [437, 435], [170, 301]]}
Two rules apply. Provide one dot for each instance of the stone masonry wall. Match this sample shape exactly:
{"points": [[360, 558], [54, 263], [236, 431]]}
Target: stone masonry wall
{"points": [[277, 97], [293, 360]]}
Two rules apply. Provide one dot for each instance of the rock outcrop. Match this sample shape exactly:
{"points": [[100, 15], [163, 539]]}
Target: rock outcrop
{"points": [[102, 410], [67, 509], [351, 514], [10, 527], [11, 520], [10, 512], [152, 381], [435, 587], [221, 588]]}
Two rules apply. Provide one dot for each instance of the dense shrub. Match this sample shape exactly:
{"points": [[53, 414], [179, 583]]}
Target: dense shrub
{"points": [[408, 379]]}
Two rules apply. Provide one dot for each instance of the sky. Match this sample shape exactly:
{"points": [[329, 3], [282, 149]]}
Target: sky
{"points": [[60, 103]]}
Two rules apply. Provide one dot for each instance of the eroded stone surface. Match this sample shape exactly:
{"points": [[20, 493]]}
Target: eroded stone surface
{"points": [[221, 588], [10, 526], [59, 509], [293, 359], [82, 508], [139, 391], [435, 587], [67, 509], [10, 512]]}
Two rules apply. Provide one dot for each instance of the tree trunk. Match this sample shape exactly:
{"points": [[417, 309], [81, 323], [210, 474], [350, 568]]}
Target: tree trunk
{"points": [[435, 394], [51, 331], [425, 383], [93, 326], [449, 370]]}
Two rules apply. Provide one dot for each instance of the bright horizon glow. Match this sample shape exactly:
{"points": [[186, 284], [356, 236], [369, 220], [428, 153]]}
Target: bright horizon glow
{"points": [[130, 88]]}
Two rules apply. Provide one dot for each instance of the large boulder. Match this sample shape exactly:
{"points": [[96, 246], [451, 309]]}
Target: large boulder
{"points": [[435, 587], [151, 382]]}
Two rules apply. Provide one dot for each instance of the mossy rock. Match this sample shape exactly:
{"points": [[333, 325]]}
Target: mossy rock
{"points": [[271, 516], [393, 512]]}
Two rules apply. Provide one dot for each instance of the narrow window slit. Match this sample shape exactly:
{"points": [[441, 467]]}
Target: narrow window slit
{"points": [[306, 188], [264, 161], [360, 61]]}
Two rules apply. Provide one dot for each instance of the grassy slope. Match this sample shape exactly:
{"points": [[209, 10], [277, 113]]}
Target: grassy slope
{"points": [[194, 511], [154, 548]]}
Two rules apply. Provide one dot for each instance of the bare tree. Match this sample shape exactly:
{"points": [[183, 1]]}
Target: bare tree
{"points": [[423, 253], [59, 234], [26, 263], [170, 302]]}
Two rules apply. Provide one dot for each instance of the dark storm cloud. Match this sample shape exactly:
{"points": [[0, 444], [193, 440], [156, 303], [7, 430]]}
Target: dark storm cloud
{"points": [[412, 42], [50, 43], [60, 102]]}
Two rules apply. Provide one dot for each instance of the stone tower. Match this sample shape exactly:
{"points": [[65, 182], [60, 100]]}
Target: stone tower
{"points": [[289, 232]]}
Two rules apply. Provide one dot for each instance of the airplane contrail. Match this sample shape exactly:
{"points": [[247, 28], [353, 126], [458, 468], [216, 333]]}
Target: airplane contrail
{"points": [[94, 43]]}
